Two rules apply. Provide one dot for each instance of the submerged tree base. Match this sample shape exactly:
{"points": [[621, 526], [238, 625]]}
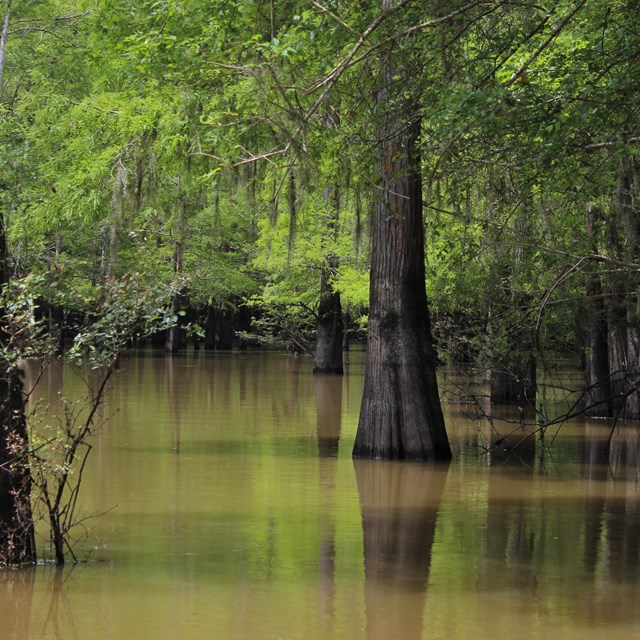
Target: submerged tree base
{"points": [[17, 537], [401, 417]]}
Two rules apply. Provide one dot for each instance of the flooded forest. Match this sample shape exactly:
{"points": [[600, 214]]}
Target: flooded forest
{"points": [[319, 319]]}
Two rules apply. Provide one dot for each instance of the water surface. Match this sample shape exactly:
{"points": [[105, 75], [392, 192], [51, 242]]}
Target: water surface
{"points": [[232, 509]]}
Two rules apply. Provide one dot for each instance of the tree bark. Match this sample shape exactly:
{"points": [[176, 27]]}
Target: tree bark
{"points": [[401, 416], [629, 209], [4, 34], [597, 370], [624, 290], [327, 357], [328, 352], [513, 379], [218, 328], [176, 335], [17, 538]]}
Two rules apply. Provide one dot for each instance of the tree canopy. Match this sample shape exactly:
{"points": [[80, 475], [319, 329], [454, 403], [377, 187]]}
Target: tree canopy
{"points": [[230, 151]]}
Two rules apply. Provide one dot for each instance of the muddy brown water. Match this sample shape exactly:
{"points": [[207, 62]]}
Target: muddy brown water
{"points": [[231, 509]]}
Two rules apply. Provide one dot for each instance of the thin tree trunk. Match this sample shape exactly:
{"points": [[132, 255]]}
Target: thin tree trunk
{"points": [[3, 42], [597, 361], [328, 352], [513, 376], [17, 537], [176, 335], [400, 416]]}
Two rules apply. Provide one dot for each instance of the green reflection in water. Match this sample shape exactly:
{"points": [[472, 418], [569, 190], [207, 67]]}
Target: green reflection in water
{"points": [[233, 510]]}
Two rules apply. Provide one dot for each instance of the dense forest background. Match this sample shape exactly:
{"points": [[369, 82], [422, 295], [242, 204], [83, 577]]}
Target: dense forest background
{"points": [[227, 151]]}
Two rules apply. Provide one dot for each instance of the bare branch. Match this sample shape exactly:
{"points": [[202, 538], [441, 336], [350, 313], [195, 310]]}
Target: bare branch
{"points": [[73, 16], [335, 17]]}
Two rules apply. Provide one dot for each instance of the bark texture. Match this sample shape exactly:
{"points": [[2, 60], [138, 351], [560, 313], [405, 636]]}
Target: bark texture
{"points": [[17, 538], [327, 357], [329, 331], [4, 34], [401, 416], [619, 321], [598, 374]]}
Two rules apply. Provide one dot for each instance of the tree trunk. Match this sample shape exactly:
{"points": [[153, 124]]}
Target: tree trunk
{"points": [[623, 292], [598, 402], [513, 379], [346, 322], [513, 376], [17, 539], [328, 353], [400, 416], [176, 335], [4, 34], [329, 330], [218, 328], [629, 209]]}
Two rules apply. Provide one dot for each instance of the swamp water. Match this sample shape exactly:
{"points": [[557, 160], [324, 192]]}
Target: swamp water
{"points": [[232, 510]]}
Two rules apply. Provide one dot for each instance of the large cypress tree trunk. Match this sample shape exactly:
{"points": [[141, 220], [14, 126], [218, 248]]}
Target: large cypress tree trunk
{"points": [[401, 416]]}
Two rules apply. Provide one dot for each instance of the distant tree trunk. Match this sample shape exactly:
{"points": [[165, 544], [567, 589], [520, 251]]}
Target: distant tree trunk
{"points": [[111, 229], [329, 331], [630, 212], [513, 376], [17, 541], [17, 538], [176, 335], [4, 34], [624, 291], [218, 328], [346, 321], [400, 416], [328, 353], [597, 361], [513, 379], [599, 402]]}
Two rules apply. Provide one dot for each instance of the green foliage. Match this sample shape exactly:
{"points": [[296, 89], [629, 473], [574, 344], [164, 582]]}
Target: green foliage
{"points": [[129, 309], [198, 141]]}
